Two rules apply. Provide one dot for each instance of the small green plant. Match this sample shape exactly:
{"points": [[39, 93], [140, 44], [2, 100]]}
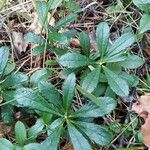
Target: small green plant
{"points": [[9, 81], [53, 37], [25, 138], [106, 62], [63, 120]]}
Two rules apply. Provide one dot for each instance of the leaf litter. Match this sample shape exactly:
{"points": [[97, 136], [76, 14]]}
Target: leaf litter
{"points": [[142, 108]]}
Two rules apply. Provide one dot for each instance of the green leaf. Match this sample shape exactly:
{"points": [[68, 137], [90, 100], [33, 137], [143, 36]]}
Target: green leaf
{"points": [[115, 58], [9, 68], [96, 133], [40, 75], [17, 147], [7, 114], [144, 5], [2, 4], [36, 51], [132, 61], [145, 23], [117, 84], [51, 63], [94, 99], [5, 144], [20, 132], [73, 6], [37, 39], [68, 91], [58, 37], [115, 67], [53, 4], [49, 92], [100, 89], [131, 79], [65, 21], [35, 130], [55, 130], [85, 43], [112, 9], [42, 11], [121, 44], [91, 80], [110, 93], [15, 80], [79, 142], [26, 97], [91, 110], [74, 60], [4, 54], [31, 146], [102, 37]]}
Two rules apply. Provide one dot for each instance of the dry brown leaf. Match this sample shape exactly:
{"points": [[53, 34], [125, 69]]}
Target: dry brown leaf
{"points": [[147, 50], [4, 129], [74, 42], [35, 27], [19, 43], [68, 146], [142, 108]]}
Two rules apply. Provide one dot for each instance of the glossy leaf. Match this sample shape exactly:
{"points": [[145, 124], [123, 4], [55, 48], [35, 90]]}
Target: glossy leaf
{"points": [[85, 43], [42, 11], [117, 84], [68, 91], [31, 37], [74, 60], [58, 37], [79, 142], [52, 141], [145, 23], [31, 146], [5, 144], [115, 58], [4, 54], [49, 92], [26, 97], [144, 5], [132, 61], [102, 37], [91, 80], [15, 80], [20, 132], [36, 129], [121, 44], [9, 68], [131, 79], [40, 75], [96, 133], [91, 110]]}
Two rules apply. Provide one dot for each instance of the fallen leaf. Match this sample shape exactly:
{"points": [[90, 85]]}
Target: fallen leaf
{"points": [[67, 146], [142, 108], [93, 42], [36, 27], [19, 43], [74, 42], [4, 129]]}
